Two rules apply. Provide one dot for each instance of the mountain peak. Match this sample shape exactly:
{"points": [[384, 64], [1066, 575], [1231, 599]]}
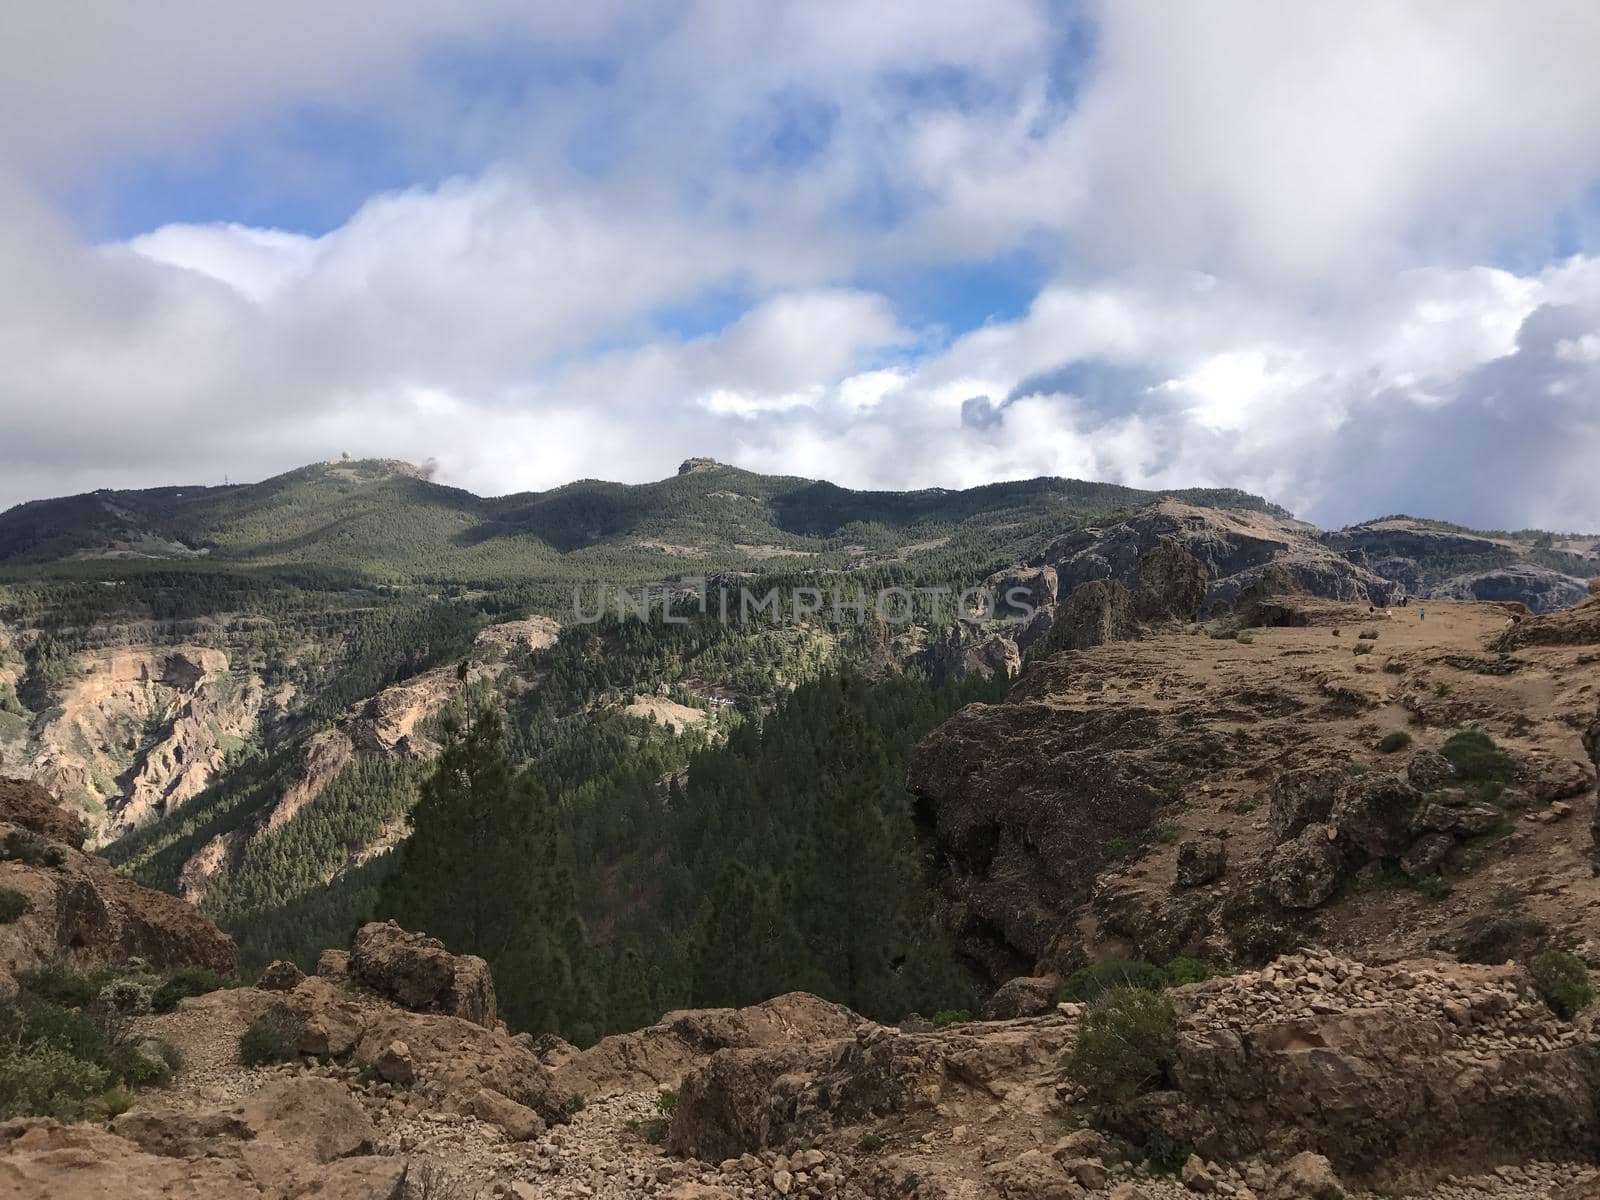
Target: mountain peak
{"points": [[692, 466]]}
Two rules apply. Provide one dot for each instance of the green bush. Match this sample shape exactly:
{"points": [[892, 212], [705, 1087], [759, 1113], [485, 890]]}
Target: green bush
{"points": [[21, 846], [1562, 981], [667, 1103], [1125, 1044], [41, 1080], [266, 1041], [1391, 743], [870, 1143], [1166, 1154], [1187, 970], [950, 1016], [1088, 983], [126, 996], [1476, 758], [186, 981], [58, 984], [13, 905]]}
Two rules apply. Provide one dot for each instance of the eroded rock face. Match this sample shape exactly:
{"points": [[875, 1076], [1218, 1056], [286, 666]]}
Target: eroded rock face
{"points": [[418, 973], [28, 806], [1097, 612]]}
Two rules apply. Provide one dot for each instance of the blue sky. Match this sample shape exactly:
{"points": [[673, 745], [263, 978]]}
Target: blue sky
{"points": [[1164, 244]]}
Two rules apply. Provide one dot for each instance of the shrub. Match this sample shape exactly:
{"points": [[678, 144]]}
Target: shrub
{"points": [[1166, 1154], [1089, 983], [37, 1022], [24, 847], [39, 1080], [13, 905], [1476, 758], [1244, 639], [138, 1069], [1498, 936], [58, 984], [1391, 743], [1562, 981], [126, 996], [1187, 970], [114, 1101], [266, 1041], [1125, 1044], [186, 981], [667, 1103], [950, 1016], [871, 1143]]}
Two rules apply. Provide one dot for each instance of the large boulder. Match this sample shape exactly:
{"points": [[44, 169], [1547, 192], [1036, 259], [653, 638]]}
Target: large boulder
{"points": [[1302, 797], [1024, 996], [419, 973], [1304, 871], [1201, 861], [1172, 584], [1374, 813]]}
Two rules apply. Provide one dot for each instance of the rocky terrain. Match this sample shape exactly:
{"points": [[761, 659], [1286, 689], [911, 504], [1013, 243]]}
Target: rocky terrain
{"points": [[1318, 1075]]}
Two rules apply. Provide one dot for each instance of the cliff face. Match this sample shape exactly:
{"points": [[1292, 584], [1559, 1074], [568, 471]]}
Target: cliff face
{"points": [[1226, 798]]}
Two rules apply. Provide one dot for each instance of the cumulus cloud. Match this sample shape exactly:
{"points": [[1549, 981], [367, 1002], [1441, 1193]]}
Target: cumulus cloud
{"points": [[1340, 259]]}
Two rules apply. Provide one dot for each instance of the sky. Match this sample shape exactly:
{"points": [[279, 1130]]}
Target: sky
{"points": [[1346, 256]]}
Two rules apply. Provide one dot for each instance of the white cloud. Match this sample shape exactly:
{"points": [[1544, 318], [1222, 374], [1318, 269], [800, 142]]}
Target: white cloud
{"points": [[1298, 250]]}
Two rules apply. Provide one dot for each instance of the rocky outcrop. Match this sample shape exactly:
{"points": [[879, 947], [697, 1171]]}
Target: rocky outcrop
{"points": [[1022, 801], [1233, 546], [419, 973], [1579, 626], [1397, 1074], [28, 806], [388, 724], [84, 911], [1098, 612], [1539, 588], [742, 1101], [661, 1055], [1024, 996]]}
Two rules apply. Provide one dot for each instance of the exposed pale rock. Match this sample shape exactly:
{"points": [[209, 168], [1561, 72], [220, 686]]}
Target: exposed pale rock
{"points": [[419, 973]]}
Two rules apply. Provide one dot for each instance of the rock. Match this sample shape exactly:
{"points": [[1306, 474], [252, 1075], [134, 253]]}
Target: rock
{"points": [[367, 1178], [516, 1121], [1024, 996], [1172, 584], [1429, 771], [1085, 1143], [44, 1159], [1033, 1176], [1382, 1068], [1374, 813], [280, 976], [333, 964], [418, 973], [1022, 800], [1201, 861], [1300, 798], [86, 912], [313, 1115], [394, 1065], [1307, 1176], [1096, 613], [660, 1056], [1196, 1176], [1304, 872], [1427, 854], [1540, 588], [174, 1134], [454, 1058]]}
